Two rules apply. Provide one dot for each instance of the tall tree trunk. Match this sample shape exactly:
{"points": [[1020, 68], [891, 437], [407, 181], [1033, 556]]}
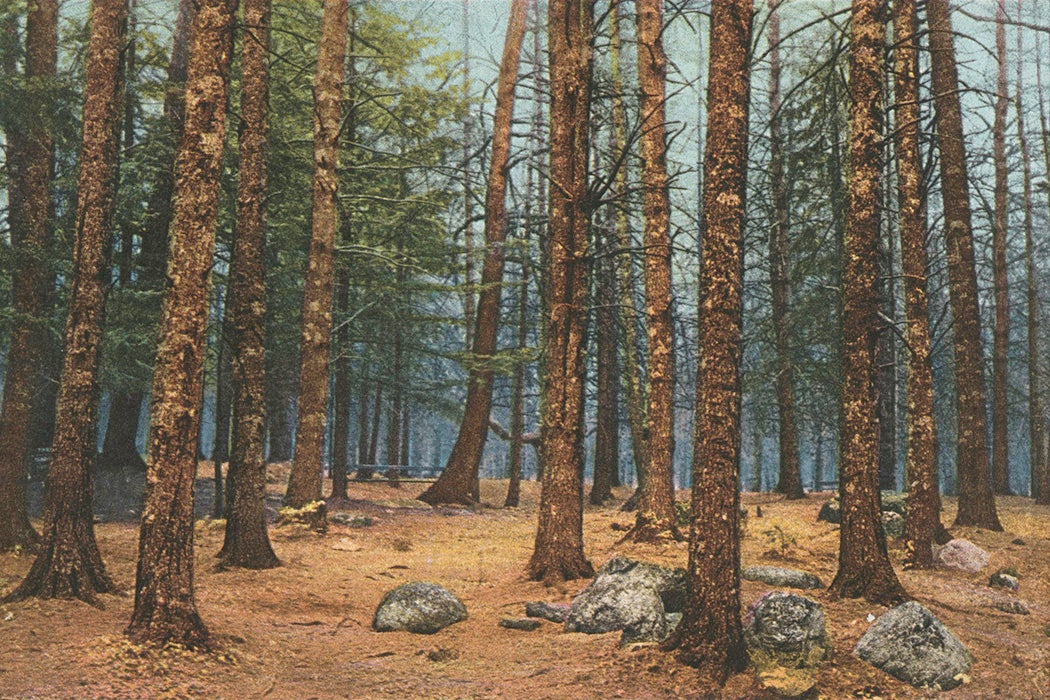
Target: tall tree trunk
{"points": [[165, 611], [558, 554], [341, 419], [362, 424], [377, 412], [607, 433], [304, 483], [393, 421], [635, 390], [1039, 472], [656, 517], [976, 501], [461, 470], [885, 349], [69, 564], [710, 635], [1001, 334], [921, 459], [220, 451], [30, 157], [120, 449], [864, 565], [247, 543], [279, 426], [790, 481]]}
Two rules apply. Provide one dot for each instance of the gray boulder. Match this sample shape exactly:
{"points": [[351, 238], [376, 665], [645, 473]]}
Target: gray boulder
{"points": [[1001, 579], [777, 576], [631, 596], [889, 502], [555, 612], [669, 583], [423, 608], [963, 555], [912, 645], [830, 512], [787, 642], [892, 523]]}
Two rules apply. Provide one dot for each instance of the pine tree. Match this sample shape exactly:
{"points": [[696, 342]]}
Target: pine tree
{"points": [[165, 610], [710, 635]]}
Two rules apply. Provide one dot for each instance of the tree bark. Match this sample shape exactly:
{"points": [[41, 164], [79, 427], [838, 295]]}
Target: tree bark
{"points": [[790, 481], [864, 565], [121, 449], [220, 450], [165, 611], [656, 516], [921, 458], [341, 403], [1001, 333], [976, 501], [558, 553], [461, 470], [710, 635], [635, 390], [69, 564], [304, 483], [607, 433], [30, 157], [247, 543], [1039, 473]]}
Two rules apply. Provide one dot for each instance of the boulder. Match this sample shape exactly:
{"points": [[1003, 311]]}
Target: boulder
{"points": [[963, 555], [889, 501], [555, 612], [631, 596], [830, 512], [912, 645], [613, 604], [787, 642], [777, 576], [669, 583], [892, 524], [423, 608]]}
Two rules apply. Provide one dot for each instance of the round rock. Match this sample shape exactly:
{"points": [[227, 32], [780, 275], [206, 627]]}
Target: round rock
{"points": [[423, 608]]}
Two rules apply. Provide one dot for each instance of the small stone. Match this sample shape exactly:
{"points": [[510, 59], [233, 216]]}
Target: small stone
{"points": [[422, 608], [779, 576], [347, 545], [555, 612], [830, 512], [1004, 580], [1017, 541], [963, 555], [527, 624], [439, 654], [1012, 606]]}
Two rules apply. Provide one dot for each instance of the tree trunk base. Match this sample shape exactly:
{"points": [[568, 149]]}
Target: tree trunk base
{"points": [[987, 522], [17, 534], [709, 654], [650, 529], [449, 493], [551, 569], [68, 571], [174, 624], [631, 504], [870, 583]]}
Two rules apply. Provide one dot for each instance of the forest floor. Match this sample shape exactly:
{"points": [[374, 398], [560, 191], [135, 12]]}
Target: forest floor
{"points": [[304, 630]]}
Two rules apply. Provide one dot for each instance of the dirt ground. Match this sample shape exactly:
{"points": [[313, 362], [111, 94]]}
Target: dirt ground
{"points": [[304, 630]]}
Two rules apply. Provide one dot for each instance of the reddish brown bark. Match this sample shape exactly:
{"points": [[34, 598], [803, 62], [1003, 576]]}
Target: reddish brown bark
{"points": [[461, 471], [69, 564], [1001, 333], [921, 459], [304, 482], [635, 391], [165, 609], [656, 516], [976, 501], [864, 565], [30, 154], [247, 543], [607, 428], [710, 635], [558, 554], [790, 481]]}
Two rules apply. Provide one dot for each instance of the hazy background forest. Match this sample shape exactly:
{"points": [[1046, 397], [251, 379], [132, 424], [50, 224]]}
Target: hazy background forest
{"points": [[419, 156]]}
